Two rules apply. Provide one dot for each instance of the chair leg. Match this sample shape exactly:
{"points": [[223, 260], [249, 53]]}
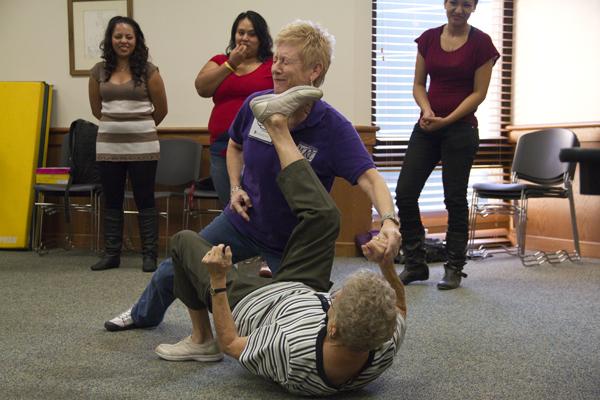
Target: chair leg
{"points": [[472, 223], [39, 220], [520, 217], [185, 211], [167, 231], [92, 217], [573, 218], [98, 219]]}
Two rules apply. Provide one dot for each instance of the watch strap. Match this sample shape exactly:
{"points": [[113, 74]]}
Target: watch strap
{"points": [[214, 291], [390, 216]]}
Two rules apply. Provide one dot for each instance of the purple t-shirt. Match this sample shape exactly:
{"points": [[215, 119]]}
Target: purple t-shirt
{"points": [[452, 73], [325, 138]]}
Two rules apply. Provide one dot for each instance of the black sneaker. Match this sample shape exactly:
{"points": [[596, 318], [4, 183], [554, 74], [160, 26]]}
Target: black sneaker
{"points": [[120, 323]]}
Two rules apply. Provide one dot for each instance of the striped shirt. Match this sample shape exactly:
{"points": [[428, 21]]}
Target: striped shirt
{"points": [[126, 131], [286, 324]]}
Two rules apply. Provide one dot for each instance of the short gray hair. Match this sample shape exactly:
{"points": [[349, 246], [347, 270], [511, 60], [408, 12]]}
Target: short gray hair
{"points": [[365, 312], [316, 44]]}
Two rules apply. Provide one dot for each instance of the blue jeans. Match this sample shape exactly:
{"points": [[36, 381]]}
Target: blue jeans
{"points": [[152, 305], [218, 170]]}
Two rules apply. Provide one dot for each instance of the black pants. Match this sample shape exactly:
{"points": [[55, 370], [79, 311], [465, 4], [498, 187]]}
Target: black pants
{"points": [[142, 175], [307, 258], [456, 146]]}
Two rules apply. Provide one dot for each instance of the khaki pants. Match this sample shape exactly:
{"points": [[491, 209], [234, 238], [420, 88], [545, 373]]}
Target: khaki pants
{"points": [[307, 258]]}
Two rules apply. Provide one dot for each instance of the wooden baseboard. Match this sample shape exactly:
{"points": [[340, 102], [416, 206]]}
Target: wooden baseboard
{"points": [[346, 249], [83, 241]]}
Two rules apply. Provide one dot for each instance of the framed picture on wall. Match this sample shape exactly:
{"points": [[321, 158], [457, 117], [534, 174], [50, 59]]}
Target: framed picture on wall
{"points": [[87, 22]]}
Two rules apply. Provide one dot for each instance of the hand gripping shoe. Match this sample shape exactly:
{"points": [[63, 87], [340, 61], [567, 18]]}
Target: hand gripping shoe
{"points": [[284, 103]]}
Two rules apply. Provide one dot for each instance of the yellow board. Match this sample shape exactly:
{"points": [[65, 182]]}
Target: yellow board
{"points": [[55, 179], [25, 109]]}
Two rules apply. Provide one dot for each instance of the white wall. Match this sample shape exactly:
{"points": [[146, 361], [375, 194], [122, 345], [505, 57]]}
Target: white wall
{"points": [[182, 35], [557, 61]]}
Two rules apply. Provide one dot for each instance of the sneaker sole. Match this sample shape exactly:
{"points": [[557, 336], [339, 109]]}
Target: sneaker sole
{"points": [[205, 358], [109, 326], [256, 103]]}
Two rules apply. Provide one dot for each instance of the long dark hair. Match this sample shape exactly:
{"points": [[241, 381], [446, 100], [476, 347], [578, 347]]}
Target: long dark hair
{"points": [[137, 59], [262, 32]]}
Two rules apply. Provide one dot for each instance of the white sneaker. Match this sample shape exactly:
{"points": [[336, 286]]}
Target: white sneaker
{"points": [[187, 350], [284, 103], [120, 323]]}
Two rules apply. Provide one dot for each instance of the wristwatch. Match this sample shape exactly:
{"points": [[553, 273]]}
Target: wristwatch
{"points": [[214, 291], [390, 216]]}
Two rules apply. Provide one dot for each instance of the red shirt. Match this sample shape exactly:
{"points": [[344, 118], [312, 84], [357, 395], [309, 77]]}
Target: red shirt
{"points": [[452, 74], [232, 92]]}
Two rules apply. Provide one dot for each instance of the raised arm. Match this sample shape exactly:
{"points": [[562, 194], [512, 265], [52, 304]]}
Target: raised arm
{"points": [[210, 77], [218, 262], [212, 74], [374, 251], [373, 184]]}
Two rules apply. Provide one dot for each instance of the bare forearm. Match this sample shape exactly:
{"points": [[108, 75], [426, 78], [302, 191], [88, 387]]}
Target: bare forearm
{"points": [[229, 340], [420, 96], [389, 273], [373, 184], [235, 162], [467, 106], [208, 80]]}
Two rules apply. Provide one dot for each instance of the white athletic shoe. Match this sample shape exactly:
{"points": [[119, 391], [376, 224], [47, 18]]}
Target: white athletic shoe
{"points": [[284, 103], [121, 322], [187, 350]]}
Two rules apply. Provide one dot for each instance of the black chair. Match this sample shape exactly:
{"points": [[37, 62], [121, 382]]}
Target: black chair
{"points": [[179, 165], [82, 198], [536, 172], [193, 196]]}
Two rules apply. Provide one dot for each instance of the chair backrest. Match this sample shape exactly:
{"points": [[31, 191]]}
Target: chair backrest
{"points": [[179, 162], [537, 156], [64, 152]]}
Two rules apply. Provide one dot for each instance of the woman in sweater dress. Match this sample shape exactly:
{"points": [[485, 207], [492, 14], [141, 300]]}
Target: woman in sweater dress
{"points": [[127, 95]]}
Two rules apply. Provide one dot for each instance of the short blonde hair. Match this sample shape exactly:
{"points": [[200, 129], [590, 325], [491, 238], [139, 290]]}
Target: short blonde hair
{"points": [[315, 41], [365, 312]]}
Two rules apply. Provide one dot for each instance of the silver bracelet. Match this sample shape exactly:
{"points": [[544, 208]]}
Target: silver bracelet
{"points": [[235, 188], [392, 217]]}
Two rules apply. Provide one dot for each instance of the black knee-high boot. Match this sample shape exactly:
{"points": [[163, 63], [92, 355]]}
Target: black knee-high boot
{"points": [[415, 265], [148, 222], [113, 240], [456, 251]]}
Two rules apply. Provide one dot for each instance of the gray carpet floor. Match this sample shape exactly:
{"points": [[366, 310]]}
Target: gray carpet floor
{"points": [[509, 333]]}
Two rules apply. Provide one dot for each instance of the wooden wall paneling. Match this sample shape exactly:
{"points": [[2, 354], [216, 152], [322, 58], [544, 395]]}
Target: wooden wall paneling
{"points": [[354, 205]]}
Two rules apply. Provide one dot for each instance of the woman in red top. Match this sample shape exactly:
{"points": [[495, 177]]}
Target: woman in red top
{"points": [[229, 79], [458, 59]]}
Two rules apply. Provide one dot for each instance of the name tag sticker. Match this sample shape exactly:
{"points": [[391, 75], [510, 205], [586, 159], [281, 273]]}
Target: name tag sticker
{"points": [[259, 132]]}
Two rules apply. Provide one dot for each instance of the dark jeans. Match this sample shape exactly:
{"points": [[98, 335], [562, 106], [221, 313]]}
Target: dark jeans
{"points": [[142, 175], [308, 256], [455, 146], [218, 168]]}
